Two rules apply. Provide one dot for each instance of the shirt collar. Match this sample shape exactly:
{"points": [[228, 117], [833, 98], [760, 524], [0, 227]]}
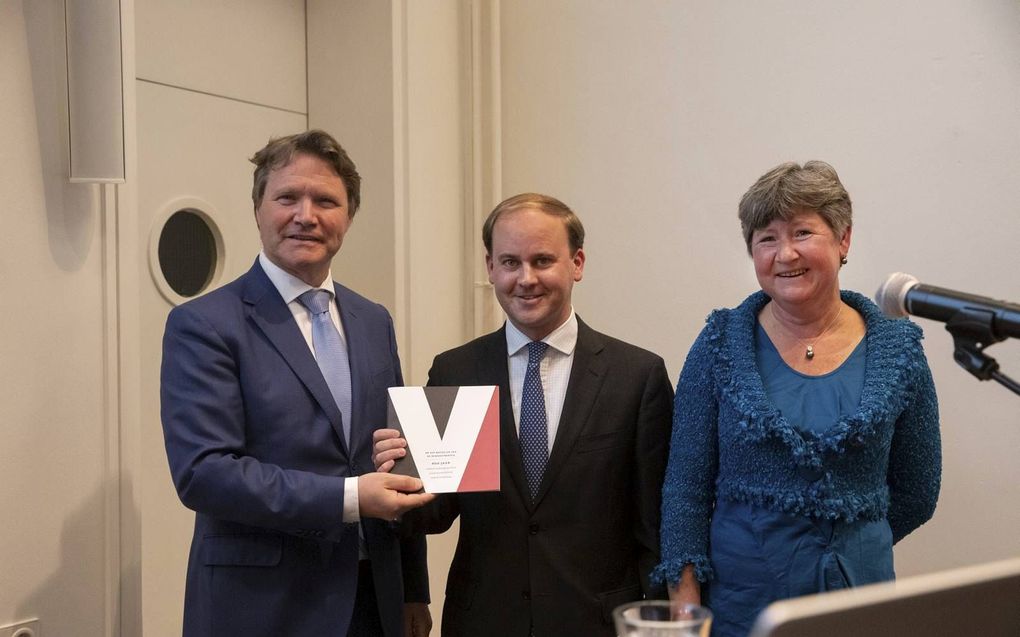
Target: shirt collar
{"points": [[289, 286], [562, 339]]}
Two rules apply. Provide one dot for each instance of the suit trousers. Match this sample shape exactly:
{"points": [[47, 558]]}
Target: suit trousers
{"points": [[365, 621]]}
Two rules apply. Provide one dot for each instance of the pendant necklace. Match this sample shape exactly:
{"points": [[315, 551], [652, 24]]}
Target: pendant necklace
{"points": [[809, 351]]}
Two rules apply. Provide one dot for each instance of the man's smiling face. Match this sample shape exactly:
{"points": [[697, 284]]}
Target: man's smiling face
{"points": [[533, 270], [303, 217]]}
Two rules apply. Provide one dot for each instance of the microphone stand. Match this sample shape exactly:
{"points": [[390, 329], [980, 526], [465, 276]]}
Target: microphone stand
{"points": [[973, 332]]}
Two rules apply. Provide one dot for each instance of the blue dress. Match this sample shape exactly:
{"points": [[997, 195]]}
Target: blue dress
{"points": [[759, 555]]}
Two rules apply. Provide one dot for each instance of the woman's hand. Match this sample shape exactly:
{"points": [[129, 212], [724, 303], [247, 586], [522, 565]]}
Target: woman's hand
{"points": [[686, 591]]}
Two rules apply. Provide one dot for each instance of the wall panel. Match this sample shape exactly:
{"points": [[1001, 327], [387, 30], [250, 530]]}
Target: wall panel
{"points": [[251, 50]]}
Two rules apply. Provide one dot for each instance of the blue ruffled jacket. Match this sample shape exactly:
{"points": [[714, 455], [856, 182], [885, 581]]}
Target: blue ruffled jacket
{"points": [[729, 442]]}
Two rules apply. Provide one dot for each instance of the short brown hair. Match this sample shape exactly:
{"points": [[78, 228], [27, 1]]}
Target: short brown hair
{"points": [[545, 203], [280, 151], [789, 189]]}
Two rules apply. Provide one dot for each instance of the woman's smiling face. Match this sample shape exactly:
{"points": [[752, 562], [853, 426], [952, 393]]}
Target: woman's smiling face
{"points": [[797, 260]]}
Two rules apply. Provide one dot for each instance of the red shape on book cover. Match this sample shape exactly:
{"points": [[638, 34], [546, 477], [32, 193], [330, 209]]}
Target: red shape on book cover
{"points": [[479, 474]]}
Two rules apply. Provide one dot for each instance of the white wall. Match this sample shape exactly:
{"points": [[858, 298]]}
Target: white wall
{"points": [[652, 118], [52, 381]]}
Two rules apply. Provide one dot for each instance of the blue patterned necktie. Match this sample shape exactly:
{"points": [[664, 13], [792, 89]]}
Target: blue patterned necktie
{"points": [[330, 353], [534, 431]]}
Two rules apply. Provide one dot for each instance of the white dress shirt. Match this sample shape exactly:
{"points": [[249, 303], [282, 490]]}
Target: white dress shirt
{"points": [[554, 370], [290, 288]]}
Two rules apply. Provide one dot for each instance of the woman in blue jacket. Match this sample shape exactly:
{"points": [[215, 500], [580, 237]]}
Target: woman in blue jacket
{"points": [[805, 430]]}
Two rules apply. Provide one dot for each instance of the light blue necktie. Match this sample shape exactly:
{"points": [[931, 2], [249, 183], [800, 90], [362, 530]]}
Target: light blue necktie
{"points": [[534, 430], [330, 353]]}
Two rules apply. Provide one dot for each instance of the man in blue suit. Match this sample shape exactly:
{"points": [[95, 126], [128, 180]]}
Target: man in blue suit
{"points": [[268, 409]]}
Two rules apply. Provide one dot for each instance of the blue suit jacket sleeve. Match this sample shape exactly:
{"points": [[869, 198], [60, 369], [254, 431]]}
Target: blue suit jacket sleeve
{"points": [[207, 421]]}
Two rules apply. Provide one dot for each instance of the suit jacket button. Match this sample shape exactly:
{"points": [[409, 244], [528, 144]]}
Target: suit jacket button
{"points": [[533, 529], [526, 595]]}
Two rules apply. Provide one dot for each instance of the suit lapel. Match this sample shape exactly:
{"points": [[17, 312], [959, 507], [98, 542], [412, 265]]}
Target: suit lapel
{"points": [[266, 309], [359, 352], [586, 377]]}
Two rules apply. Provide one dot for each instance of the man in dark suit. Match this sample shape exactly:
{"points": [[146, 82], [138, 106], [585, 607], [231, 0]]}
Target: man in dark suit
{"points": [[584, 425], [271, 387]]}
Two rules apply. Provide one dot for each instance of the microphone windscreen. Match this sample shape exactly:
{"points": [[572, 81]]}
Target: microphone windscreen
{"points": [[891, 296]]}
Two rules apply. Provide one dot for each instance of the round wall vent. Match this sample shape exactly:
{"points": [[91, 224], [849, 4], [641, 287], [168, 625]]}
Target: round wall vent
{"points": [[186, 251]]}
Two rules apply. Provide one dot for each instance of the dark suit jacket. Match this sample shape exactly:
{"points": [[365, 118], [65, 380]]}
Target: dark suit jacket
{"points": [[591, 538], [256, 449]]}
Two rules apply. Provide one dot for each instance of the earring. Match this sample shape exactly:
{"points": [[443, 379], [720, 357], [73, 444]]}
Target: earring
{"points": [[842, 260]]}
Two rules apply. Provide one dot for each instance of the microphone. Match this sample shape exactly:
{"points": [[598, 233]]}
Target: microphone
{"points": [[902, 294]]}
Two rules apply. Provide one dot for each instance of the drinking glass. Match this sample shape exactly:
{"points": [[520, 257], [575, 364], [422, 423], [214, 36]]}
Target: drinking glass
{"points": [[660, 618]]}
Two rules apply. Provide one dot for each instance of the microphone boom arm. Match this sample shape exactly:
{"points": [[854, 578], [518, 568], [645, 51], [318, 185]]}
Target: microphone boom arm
{"points": [[972, 331]]}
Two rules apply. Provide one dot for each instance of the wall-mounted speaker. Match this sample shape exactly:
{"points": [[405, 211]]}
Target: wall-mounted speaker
{"points": [[95, 90]]}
